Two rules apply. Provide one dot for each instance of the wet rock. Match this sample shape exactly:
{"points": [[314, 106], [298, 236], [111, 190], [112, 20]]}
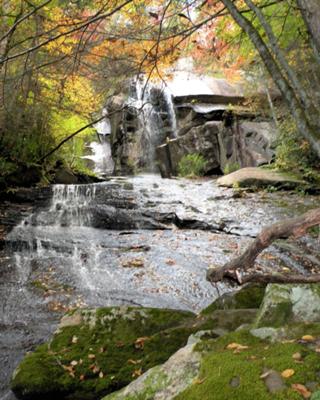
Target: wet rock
{"points": [[284, 304], [95, 352], [65, 176], [257, 177]]}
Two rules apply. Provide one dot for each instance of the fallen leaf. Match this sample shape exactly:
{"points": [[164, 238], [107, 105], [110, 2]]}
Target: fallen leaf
{"points": [[102, 350], [236, 347], [170, 261], [96, 369], [74, 363], [101, 374], [68, 368], [74, 339], [265, 375], [91, 356], [134, 362], [287, 373], [135, 263], [81, 378], [308, 338], [137, 373], [297, 387], [297, 356], [139, 343], [199, 381]]}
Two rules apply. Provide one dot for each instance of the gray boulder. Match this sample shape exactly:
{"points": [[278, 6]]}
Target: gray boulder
{"points": [[289, 304]]}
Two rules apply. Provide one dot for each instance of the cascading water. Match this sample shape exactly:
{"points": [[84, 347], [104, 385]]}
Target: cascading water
{"points": [[156, 116], [101, 156]]}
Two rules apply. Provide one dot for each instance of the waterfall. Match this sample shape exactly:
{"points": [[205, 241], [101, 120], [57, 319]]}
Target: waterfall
{"points": [[71, 204], [171, 111], [101, 156], [156, 117]]}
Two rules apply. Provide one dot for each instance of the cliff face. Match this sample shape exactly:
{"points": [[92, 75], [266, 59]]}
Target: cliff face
{"points": [[155, 127]]}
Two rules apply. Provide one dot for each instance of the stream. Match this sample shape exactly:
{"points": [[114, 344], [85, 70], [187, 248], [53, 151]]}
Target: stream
{"points": [[137, 241]]}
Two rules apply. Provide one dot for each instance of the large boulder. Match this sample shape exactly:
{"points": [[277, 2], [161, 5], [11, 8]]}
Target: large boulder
{"points": [[258, 177], [234, 366], [248, 297], [164, 382], [223, 144], [95, 352], [288, 304]]}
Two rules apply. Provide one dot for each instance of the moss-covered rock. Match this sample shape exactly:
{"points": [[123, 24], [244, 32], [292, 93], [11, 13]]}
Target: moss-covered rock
{"points": [[230, 367], [284, 304], [95, 352], [165, 381], [249, 296], [221, 364]]}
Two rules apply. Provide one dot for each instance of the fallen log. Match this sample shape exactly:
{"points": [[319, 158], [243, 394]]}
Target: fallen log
{"points": [[293, 227]]}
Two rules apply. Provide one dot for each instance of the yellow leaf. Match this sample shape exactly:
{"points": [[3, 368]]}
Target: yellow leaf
{"points": [[199, 381], [91, 356], [137, 372], [100, 374], [74, 363], [287, 373], [236, 347], [308, 338]]}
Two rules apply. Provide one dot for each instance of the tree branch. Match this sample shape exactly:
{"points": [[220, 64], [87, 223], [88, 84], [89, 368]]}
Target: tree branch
{"points": [[293, 227]]}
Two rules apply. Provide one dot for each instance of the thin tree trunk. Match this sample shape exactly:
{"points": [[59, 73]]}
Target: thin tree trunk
{"points": [[310, 11], [294, 227], [283, 63], [310, 134]]}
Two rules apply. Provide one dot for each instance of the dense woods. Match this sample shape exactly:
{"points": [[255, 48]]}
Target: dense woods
{"points": [[61, 61]]}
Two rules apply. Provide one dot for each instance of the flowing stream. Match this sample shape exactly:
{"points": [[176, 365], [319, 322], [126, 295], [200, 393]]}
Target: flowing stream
{"points": [[139, 241]]}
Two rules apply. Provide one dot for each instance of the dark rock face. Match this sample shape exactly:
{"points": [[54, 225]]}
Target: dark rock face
{"points": [[222, 143], [159, 128]]}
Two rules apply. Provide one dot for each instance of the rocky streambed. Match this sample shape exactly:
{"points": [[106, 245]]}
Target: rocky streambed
{"points": [[138, 241]]}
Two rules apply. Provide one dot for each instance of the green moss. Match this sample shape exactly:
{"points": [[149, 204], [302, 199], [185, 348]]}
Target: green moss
{"points": [[250, 296], [106, 344], [220, 365]]}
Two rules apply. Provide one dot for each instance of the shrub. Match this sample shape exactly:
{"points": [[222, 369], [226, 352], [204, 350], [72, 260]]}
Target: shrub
{"points": [[293, 153], [192, 165]]}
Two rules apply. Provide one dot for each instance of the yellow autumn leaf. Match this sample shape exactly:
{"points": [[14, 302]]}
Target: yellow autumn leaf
{"points": [[287, 373], [308, 338], [236, 347]]}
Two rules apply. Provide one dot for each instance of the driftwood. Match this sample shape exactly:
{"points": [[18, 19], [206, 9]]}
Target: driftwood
{"points": [[293, 227]]}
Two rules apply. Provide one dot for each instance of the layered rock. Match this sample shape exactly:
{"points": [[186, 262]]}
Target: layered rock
{"points": [[159, 125]]}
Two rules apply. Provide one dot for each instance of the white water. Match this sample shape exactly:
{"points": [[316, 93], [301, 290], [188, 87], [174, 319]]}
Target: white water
{"points": [[101, 157]]}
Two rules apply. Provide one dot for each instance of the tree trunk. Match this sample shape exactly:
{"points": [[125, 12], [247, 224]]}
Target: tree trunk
{"points": [[310, 10], [311, 134], [294, 227]]}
